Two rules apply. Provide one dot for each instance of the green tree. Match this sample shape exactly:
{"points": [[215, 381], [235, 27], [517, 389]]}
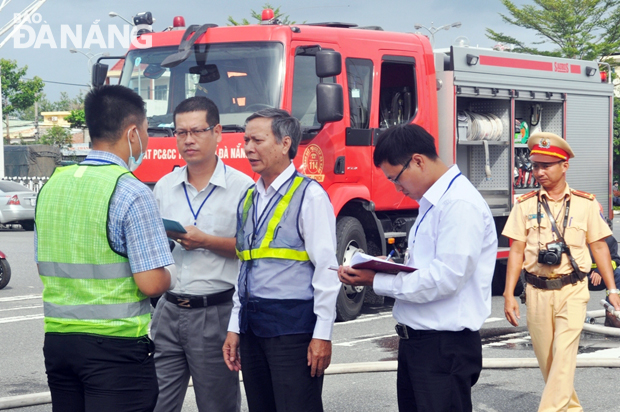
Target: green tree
{"points": [[17, 93], [76, 119], [56, 136], [277, 13], [580, 29]]}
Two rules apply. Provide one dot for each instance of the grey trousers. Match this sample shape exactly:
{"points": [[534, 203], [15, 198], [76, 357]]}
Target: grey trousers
{"points": [[189, 342]]}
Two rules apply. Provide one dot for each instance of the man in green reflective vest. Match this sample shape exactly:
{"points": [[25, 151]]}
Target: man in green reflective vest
{"points": [[101, 250]]}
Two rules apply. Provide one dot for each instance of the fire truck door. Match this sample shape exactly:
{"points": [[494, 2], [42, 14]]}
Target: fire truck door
{"points": [[398, 104]]}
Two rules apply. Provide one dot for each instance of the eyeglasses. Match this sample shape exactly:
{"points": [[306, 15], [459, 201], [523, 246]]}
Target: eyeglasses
{"points": [[182, 134], [395, 180], [545, 166]]}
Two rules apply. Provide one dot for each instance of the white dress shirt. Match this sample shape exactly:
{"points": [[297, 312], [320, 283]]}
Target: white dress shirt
{"points": [[201, 271], [454, 251], [318, 228]]}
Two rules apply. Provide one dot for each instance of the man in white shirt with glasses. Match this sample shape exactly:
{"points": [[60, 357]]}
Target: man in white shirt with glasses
{"points": [[190, 321], [441, 306]]}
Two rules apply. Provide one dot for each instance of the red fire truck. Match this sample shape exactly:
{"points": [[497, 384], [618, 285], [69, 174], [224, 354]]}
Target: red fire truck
{"points": [[347, 84]]}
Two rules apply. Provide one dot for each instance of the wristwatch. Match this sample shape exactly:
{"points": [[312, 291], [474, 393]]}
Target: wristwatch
{"points": [[616, 291]]}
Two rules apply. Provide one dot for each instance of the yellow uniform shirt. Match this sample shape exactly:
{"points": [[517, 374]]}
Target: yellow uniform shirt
{"points": [[585, 225]]}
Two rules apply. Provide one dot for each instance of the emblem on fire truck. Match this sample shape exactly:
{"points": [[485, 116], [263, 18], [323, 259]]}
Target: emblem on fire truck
{"points": [[313, 163]]}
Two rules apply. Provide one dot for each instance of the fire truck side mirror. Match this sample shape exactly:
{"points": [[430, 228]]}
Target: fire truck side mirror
{"points": [[329, 102], [100, 72], [328, 63]]}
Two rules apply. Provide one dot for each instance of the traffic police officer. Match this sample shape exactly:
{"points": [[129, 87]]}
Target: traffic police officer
{"points": [[550, 230]]}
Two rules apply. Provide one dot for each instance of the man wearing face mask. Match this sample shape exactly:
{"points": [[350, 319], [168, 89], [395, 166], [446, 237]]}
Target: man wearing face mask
{"points": [[101, 250]]}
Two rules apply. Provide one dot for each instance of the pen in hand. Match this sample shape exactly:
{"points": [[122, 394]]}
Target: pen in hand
{"points": [[389, 256]]}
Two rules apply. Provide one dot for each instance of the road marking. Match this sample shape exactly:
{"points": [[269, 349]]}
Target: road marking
{"points": [[510, 338], [489, 320], [23, 297], [608, 353], [20, 318], [368, 318], [353, 342], [22, 307]]}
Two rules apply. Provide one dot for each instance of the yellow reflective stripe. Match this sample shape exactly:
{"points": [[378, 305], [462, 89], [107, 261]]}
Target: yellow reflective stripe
{"points": [[279, 211], [280, 253], [614, 265], [246, 205]]}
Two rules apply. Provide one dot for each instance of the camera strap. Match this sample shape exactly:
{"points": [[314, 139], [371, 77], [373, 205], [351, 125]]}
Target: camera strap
{"points": [[554, 227]]}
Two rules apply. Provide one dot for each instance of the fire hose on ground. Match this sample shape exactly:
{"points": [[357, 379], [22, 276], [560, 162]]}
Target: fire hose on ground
{"points": [[391, 366]]}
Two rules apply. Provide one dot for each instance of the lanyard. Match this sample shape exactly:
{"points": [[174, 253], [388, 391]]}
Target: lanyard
{"points": [[429, 209], [552, 219], [203, 202], [266, 211], [201, 205], [98, 160]]}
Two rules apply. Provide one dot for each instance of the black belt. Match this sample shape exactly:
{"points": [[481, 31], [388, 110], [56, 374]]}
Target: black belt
{"points": [[405, 332], [553, 283], [192, 302]]}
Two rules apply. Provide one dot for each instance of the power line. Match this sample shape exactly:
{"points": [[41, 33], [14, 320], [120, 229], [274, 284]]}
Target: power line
{"points": [[67, 84]]}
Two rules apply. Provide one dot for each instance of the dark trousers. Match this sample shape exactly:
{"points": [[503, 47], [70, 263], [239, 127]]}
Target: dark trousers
{"points": [[276, 375], [88, 373], [601, 286], [437, 369]]}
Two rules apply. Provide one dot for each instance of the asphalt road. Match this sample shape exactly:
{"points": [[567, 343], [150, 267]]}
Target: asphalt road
{"points": [[371, 337]]}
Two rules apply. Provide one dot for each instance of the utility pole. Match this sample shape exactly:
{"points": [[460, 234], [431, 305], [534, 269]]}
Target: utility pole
{"points": [[1, 138], [36, 121]]}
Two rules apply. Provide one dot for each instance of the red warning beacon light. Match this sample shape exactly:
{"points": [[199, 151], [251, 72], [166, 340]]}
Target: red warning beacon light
{"points": [[267, 15], [178, 21]]}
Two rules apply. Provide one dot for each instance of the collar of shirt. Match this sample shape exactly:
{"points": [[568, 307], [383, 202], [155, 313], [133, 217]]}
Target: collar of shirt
{"points": [[439, 188], [95, 155], [544, 193], [276, 185], [217, 179]]}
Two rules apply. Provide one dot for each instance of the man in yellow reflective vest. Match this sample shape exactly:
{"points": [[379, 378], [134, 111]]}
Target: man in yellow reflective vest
{"points": [[101, 250], [285, 303]]}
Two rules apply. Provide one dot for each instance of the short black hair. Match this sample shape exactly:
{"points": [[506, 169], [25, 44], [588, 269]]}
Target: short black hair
{"points": [[199, 104], [109, 109], [282, 124], [398, 143]]}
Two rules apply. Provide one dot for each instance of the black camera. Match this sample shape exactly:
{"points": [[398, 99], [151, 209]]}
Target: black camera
{"points": [[553, 255]]}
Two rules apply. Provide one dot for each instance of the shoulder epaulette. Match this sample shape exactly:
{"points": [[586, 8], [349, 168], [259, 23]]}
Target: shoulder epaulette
{"points": [[579, 193], [526, 196]]}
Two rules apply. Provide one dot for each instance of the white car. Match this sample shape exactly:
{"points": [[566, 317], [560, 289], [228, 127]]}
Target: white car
{"points": [[17, 204]]}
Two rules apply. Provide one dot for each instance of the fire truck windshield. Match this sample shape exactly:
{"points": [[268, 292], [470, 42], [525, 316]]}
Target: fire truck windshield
{"points": [[240, 78]]}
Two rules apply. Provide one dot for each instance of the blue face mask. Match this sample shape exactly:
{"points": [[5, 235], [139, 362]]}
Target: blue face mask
{"points": [[133, 163]]}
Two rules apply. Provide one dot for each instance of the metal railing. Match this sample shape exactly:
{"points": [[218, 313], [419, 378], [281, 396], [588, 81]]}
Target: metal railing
{"points": [[33, 183]]}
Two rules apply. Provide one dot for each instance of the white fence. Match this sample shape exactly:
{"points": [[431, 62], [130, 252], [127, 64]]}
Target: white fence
{"points": [[33, 183]]}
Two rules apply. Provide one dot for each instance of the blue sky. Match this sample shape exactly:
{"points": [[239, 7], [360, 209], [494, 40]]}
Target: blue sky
{"points": [[59, 65]]}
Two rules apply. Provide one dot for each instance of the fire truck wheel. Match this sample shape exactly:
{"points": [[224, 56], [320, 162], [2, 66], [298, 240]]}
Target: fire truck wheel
{"points": [[5, 273], [351, 238]]}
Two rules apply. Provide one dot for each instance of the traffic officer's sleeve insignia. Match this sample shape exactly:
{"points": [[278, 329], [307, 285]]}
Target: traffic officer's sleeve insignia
{"points": [[526, 196], [586, 195]]}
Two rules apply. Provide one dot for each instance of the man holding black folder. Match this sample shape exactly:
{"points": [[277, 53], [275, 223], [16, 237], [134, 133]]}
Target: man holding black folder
{"points": [[441, 306], [190, 322]]}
